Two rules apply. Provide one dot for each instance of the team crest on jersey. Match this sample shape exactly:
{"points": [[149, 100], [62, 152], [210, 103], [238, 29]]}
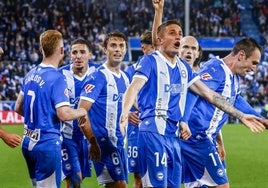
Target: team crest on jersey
{"points": [[89, 88], [183, 74], [206, 76]]}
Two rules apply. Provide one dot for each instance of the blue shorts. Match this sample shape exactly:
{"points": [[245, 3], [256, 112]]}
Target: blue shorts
{"points": [[112, 167], [202, 164], [75, 158], [159, 159], [132, 149], [44, 167]]}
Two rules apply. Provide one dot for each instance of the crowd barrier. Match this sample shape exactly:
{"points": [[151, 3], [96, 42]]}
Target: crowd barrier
{"points": [[8, 115]]}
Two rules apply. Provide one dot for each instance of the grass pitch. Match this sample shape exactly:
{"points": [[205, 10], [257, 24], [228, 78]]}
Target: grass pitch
{"points": [[247, 161]]}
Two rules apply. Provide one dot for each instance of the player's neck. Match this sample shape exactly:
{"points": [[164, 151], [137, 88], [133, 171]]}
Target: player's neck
{"points": [[229, 60], [171, 57], [113, 67], [80, 72], [51, 61]]}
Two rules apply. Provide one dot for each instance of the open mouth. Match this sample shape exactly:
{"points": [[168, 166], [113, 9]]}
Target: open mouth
{"points": [[177, 44], [188, 57]]}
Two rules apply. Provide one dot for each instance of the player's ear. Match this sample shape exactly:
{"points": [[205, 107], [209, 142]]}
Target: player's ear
{"points": [[241, 55], [61, 50]]}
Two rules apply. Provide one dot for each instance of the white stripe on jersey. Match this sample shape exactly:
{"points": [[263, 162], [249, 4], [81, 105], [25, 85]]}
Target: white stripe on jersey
{"points": [[112, 105], [163, 97], [230, 82]]}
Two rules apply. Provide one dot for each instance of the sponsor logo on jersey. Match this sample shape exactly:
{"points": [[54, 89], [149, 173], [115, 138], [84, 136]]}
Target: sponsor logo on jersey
{"points": [[163, 73], [138, 67], [34, 135], [173, 88], [206, 76], [89, 88], [118, 97], [74, 101], [66, 92]]}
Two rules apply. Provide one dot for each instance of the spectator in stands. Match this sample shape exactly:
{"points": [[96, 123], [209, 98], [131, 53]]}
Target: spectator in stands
{"points": [[19, 31]]}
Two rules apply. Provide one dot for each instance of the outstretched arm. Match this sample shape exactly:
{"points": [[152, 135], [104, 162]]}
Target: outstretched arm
{"points": [[250, 121], [11, 139]]}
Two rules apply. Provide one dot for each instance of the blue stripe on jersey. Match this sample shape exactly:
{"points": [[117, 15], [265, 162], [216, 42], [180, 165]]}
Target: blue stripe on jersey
{"points": [[130, 70], [107, 96], [206, 119], [159, 98], [71, 129], [44, 90]]}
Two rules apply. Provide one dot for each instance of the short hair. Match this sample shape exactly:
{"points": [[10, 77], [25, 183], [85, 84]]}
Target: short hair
{"points": [[83, 41], [49, 41], [167, 23], [114, 34], [146, 37], [248, 45]]}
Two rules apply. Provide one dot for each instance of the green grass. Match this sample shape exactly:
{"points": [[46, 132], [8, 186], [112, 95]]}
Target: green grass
{"points": [[247, 161]]}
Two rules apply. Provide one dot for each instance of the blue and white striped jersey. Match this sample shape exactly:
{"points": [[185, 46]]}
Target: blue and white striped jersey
{"points": [[165, 85], [132, 130], [44, 90], [206, 119], [71, 129], [105, 90]]}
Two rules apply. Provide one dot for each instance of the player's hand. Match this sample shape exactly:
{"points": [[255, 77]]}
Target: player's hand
{"points": [[158, 4], [11, 139], [133, 118], [265, 123], [94, 150], [221, 152], [185, 132], [123, 123], [253, 122], [82, 121]]}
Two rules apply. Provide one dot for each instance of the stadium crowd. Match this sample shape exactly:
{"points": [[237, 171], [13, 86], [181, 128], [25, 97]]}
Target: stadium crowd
{"points": [[22, 21]]}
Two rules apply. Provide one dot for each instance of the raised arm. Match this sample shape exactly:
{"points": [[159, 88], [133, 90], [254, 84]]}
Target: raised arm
{"points": [[158, 15]]}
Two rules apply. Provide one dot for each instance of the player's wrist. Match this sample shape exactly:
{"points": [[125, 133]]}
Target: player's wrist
{"points": [[240, 115], [92, 140]]}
